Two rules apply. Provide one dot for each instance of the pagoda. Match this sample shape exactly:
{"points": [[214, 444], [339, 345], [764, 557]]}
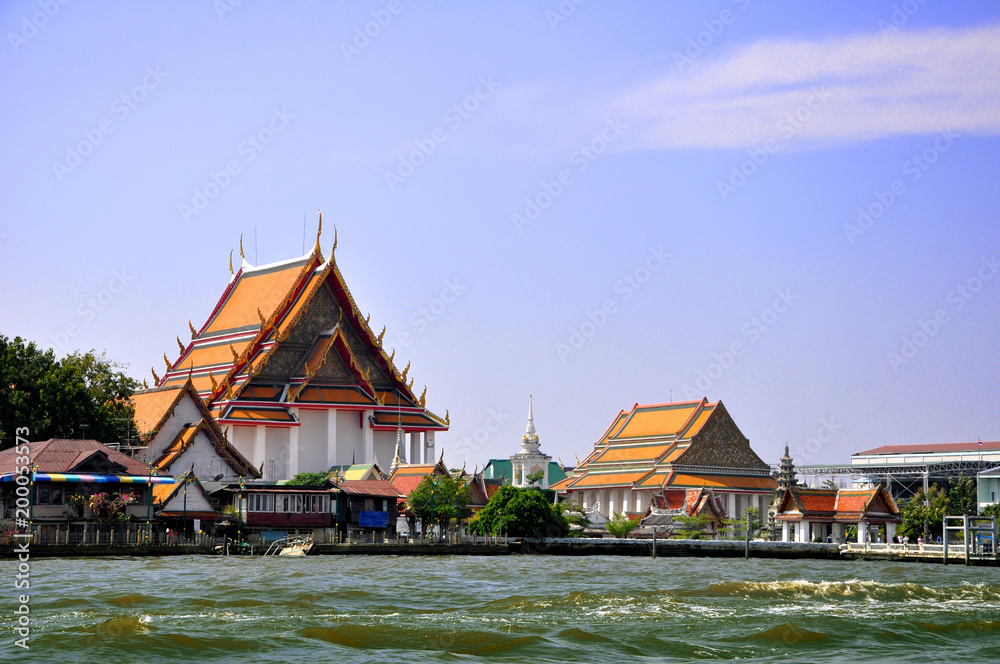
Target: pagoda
{"points": [[288, 363], [530, 459]]}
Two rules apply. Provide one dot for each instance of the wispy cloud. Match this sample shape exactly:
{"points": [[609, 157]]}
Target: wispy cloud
{"points": [[876, 86]]}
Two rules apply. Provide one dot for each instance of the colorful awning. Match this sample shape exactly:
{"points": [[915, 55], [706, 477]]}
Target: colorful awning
{"points": [[98, 479]]}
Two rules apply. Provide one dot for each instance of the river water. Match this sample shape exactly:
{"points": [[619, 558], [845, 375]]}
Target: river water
{"points": [[516, 608]]}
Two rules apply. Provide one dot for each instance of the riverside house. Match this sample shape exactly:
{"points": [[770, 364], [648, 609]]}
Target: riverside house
{"points": [[77, 486]]}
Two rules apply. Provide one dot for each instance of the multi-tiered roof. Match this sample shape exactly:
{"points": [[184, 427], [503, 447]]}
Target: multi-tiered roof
{"points": [[290, 334], [687, 444]]}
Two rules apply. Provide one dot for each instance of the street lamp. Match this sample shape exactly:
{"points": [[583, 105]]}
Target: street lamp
{"points": [[185, 530], [149, 501], [239, 515]]}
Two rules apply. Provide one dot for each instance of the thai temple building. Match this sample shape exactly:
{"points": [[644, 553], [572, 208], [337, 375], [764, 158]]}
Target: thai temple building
{"points": [[807, 515], [288, 364], [529, 461], [651, 450]]}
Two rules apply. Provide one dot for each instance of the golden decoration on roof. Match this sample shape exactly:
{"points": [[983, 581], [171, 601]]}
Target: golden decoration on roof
{"points": [[447, 417], [405, 371], [410, 385], [318, 232], [236, 357], [423, 397], [145, 385], [334, 240], [261, 317], [368, 318], [194, 332], [392, 356], [156, 379], [179, 344], [379, 340], [231, 262], [241, 247], [215, 385], [169, 368]]}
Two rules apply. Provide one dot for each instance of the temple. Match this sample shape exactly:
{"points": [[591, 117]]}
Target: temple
{"points": [[527, 462], [653, 449], [808, 515], [287, 362]]}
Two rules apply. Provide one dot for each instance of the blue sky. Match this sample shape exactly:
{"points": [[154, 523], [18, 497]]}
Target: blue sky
{"points": [[791, 208]]}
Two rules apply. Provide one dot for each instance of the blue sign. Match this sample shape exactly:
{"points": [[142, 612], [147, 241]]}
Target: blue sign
{"points": [[372, 519]]}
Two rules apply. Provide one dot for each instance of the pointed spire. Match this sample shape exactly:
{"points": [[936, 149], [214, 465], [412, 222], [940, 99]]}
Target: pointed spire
{"points": [[241, 247], [179, 344], [231, 273], [530, 431], [319, 231], [194, 332]]}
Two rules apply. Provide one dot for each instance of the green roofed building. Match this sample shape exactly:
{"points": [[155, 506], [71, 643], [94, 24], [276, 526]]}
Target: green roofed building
{"points": [[528, 461]]}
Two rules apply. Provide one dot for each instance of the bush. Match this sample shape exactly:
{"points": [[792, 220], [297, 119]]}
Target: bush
{"points": [[620, 525]]}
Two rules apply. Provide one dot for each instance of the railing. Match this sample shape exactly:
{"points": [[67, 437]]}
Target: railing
{"points": [[955, 549], [122, 536]]}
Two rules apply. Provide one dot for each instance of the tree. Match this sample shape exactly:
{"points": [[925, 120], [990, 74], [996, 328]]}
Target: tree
{"points": [[924, 520], [520, 513], [829, 484], [963, 497], [439, 498], [737, 528], [620, 525], [82, 395], [991, 510], [535, 477], [308, 479], [574, 516], [693, 526]]}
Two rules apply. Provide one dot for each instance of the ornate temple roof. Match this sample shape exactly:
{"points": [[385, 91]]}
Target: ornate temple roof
{"points": [[290, 334], [688, 444], [837, 504]]}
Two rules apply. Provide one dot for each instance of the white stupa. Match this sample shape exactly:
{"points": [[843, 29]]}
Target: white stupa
{"points": [[530, 459]]}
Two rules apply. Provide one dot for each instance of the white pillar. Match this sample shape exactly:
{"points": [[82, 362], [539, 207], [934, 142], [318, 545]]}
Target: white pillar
{"points": [[369, 435], [890, 531], [331, 438], [861, 532], [293, 446], [784, 531], [731, 506], [414, 454], [430, 455], [260, 435], [802, 531]]}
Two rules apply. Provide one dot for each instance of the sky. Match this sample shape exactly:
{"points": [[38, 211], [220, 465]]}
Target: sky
{"points": [[788, 207]]}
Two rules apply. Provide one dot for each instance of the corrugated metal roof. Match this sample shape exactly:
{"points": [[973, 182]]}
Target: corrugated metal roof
{"points": [[61, 455]]}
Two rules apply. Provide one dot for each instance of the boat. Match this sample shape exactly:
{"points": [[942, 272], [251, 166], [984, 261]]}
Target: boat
{"points": [[295, 547]]}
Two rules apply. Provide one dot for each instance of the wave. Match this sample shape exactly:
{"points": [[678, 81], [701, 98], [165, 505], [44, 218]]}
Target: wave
{"points": [[852, 589], [788, 634]]}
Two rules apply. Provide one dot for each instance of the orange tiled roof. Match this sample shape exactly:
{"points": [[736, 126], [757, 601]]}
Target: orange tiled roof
{"points": [[613, 453], [726, 481], [258, 414], [604, 480], [263, 289], [658, 420]]}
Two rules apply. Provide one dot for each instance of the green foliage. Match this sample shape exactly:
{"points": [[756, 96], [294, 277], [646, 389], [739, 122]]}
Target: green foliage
{"points": [[693, 526], [926, 520], [829, 484], [620, 525], [535, 477], [82, 395], [737, 528], [307, 479], [110, 507], [439, 498], [963, 497], [991, 510], [520, 513]]}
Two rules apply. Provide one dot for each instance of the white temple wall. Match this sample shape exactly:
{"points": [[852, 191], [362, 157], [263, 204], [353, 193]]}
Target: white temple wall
{"points": [[186, 412], [207, 464], [242, 439], [312, 441], [385, 449], [276, 454], [350, 438]]}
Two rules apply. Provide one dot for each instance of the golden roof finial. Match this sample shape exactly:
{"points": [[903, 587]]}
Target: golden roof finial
{"points": [[261, 317], [231, 262], [169, 368], [423, 397], [145, 385], [215, 385], [392, 356], [368, 318], [179, 344], [236, 357], [340, 318], [447, 416], [156, 379], [405, 371], [334, 239], [379, 340], [318, 232], [241, 247], [194, 332], [410, 385]]}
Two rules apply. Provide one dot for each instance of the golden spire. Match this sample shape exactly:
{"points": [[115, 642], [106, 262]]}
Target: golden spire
{"points": [[231, 262], [405, 371], [194, 332], [319, 230], [423, 397], [179, 344], [447, 416], [241, 247], [379, 340], [156, 379], [334, 239], [169, 368]]}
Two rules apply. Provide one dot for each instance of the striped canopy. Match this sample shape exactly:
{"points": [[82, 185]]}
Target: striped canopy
{"points": [[98, 479]]}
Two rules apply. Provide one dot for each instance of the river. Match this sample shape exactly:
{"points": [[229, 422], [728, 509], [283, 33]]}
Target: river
{"points": [[516, 608]]}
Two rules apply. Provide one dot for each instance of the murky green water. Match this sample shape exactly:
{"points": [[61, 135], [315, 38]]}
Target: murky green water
{"points": [[519, 608]]}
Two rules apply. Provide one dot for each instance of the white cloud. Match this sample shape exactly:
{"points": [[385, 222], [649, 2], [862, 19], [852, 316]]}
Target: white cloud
{"points": [[903, 83]]}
